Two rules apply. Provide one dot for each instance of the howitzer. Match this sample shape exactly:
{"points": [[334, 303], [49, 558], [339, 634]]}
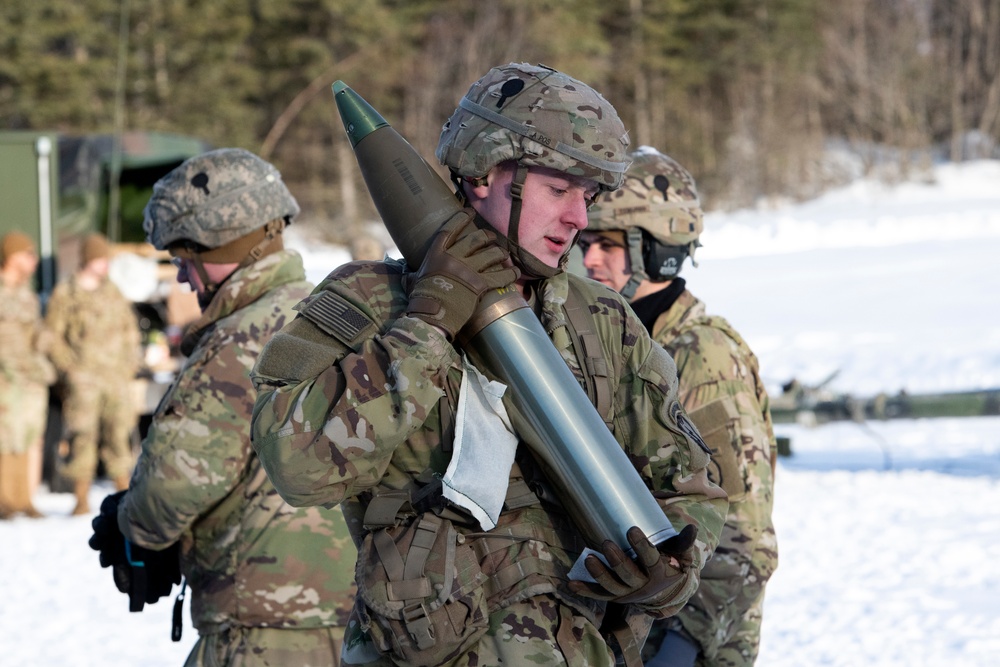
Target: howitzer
{"points": [[593, 476]]}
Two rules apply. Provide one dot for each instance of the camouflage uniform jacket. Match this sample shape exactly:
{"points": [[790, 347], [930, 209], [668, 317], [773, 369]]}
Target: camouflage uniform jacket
{"points": [[368, 408], [721, 389], [95, 332], [251, 559], [22, 339]]}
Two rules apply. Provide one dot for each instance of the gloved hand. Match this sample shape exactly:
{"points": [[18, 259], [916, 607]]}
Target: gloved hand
{"points": [[107, 538], [143, 574], [652, 579], [462, 264]]}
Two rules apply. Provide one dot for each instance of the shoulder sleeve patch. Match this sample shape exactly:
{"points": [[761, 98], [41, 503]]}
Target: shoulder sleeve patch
{"points": [[339, 318], [700, 452], [715, 415]]}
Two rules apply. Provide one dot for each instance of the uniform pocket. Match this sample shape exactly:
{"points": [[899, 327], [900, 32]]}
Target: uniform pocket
{"points": [[422, 591]]}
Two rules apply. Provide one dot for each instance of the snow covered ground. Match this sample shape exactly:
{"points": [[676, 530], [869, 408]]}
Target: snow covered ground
{"points": [[889, 531]]}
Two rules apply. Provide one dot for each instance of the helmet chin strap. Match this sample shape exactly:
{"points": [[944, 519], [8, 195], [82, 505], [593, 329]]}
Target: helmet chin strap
{"points": [[633, 242], [531, 267], [514, 221], [209, 287], [244, 251]]}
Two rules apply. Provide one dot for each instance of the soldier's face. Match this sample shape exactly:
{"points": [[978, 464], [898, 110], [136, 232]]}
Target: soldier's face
{"points": [[605, 259], [24, 263], [99, 266], [187, 273], [554, 208]]}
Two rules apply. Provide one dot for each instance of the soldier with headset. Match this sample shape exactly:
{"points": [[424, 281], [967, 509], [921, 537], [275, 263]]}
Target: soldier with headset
{"points": [[636, 242]]}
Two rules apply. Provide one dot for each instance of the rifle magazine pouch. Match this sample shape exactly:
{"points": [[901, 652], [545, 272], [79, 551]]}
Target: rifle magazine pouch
{"points": [[422, 590]]}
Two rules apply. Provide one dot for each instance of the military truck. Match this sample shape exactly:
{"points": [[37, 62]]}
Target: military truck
{"points": [[57, 188]]}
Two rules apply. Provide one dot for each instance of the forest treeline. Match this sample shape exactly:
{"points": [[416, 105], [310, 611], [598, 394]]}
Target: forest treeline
{"points": [[746, 93]]}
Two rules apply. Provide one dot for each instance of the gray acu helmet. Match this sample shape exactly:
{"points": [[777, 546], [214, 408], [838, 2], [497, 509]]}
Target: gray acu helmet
{"points": [[215, 198], [538, 117], [658, 210]]}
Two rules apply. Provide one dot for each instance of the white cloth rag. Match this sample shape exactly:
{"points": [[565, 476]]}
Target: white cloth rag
{"points": [[477, 476]]}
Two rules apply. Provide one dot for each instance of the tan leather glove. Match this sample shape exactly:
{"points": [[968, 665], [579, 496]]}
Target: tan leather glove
{"points": [[652, 579], [462, 264]]}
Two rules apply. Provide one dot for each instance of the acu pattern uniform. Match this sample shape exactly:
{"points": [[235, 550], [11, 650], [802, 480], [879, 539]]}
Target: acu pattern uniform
{"points": [[271, 584], [720, 387], [357, 405]]}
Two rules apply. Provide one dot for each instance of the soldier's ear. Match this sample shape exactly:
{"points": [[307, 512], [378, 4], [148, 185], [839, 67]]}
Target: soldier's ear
{"points": [[477, 188]]}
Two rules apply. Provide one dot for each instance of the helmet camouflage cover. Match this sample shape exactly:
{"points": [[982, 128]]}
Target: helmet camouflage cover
{"points": [[215, 198], [539, 117], [659, 196]]}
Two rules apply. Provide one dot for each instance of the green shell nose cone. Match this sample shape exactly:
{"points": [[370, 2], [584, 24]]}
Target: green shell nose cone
{"points": [[360, 118]]}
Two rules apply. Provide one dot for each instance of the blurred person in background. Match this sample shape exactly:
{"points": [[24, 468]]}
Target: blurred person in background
{"points": [[365, 247], [25, 375], [636, 241], [96, 349]]}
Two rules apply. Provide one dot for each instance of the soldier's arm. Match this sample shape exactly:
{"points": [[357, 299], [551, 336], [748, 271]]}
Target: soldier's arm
{"points": [[195, 452], [673, 456], [655, 430], [720, 388], [336, 398]]}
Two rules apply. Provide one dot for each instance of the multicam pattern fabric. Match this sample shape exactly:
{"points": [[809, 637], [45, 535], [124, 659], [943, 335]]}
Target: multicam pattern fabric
{"points": [[215, 198], [95, 347], [368, 409], [25, 371], [720, 387], [659, 195], [268, 647], [252, 560], [540, 117]]}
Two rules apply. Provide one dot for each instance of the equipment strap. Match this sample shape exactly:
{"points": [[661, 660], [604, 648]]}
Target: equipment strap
{"points": [[420, 548], [589, 350], [519, 495], [177, 625], [629, 645], [386, 509]]}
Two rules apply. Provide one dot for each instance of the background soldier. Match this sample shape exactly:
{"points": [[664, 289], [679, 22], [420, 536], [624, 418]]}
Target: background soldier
{"points": [[362, 402], [637, 240], [25, 374], [271, 584], [364, 246], [96, 349]]}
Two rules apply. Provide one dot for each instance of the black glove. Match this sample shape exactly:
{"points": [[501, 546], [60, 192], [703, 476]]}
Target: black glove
{"points": [[461, 265], [143, 574], [107, 538], [653, 578]]}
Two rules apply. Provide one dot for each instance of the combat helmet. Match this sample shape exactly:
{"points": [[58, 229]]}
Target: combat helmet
{"points": [[658, 211], [224, 206], [537, 117]]}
